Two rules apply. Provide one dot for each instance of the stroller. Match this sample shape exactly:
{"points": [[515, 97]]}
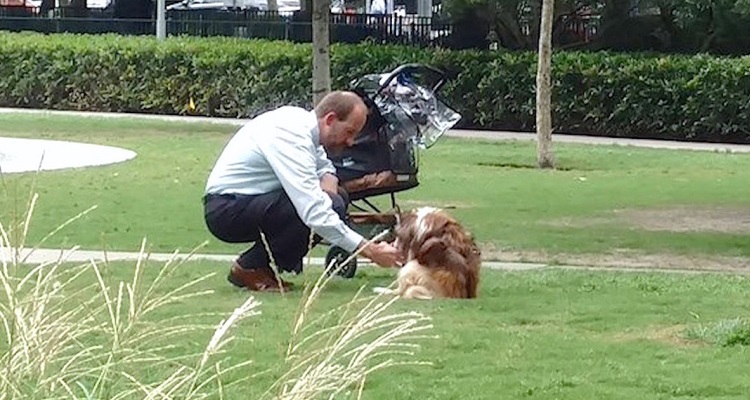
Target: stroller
{"points": [[404, 116]]}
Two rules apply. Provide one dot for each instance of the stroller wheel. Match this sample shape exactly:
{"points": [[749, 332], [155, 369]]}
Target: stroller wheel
{"points": [[340, 255]]}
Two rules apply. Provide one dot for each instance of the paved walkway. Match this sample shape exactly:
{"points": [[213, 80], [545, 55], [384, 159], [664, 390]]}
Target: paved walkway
{"points": [[39, 256], [48, 255], [81, 256], [463, 133]]}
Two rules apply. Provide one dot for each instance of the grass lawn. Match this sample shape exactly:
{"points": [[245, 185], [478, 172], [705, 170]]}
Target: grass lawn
{"points": [[545, 334], [540, 335], [600, 201]]}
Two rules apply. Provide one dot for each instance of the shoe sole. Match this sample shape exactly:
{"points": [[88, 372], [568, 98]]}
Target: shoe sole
{"points": [[239, 285], [234, 282]]}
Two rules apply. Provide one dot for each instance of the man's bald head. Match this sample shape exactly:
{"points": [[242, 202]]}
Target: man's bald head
{"points": [[341, 116], [341, 103]]}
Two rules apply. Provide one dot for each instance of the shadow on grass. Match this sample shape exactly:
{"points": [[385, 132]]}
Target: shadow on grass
{"points": [[512, 165]]}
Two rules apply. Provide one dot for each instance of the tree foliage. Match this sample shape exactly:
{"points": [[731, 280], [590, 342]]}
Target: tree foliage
{"points": [[514, 24], [676, 26]]}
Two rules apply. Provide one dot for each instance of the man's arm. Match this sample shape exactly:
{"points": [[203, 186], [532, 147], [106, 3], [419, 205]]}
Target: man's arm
{"points": [[294, 161], [305, 172], [329, 183], [323, 164], [382, 253], [326, 171]]}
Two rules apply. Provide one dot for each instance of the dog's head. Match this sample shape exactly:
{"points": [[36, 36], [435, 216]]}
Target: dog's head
{"points": [[437, 241], [427, 231]]}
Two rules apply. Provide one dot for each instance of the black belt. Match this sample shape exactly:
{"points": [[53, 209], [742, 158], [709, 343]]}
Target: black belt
{"points": [[211, 196]]}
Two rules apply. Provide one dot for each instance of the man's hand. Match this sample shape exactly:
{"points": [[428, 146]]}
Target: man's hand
{"points": [[329, 183], [383, 254]]}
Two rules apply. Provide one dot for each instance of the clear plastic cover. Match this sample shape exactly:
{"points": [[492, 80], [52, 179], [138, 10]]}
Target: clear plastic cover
{"points": [[405, 101], [413, 112]]}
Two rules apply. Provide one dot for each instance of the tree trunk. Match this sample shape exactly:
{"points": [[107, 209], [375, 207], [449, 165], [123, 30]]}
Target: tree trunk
{"points": [[321, 79], [545, 158]]}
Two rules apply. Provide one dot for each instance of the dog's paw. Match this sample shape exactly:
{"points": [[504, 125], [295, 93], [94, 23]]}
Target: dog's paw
{"points": [[383, 290]]}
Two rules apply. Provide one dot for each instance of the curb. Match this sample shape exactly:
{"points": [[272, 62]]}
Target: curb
{"points": [[42, 256]]}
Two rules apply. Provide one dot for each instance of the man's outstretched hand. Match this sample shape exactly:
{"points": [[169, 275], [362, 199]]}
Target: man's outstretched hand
{"points": [[383, 254]]}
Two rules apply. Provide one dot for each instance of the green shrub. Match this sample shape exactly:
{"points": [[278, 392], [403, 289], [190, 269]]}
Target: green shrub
{"points": [[629, 95]]}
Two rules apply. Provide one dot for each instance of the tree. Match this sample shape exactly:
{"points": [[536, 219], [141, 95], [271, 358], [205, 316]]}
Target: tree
{"points": [[545, 158], [683, 26], [515, 23], [321, 45], [717, 26]]}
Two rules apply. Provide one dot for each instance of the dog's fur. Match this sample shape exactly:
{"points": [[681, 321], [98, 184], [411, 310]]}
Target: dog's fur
{"points": [[442, 259]]}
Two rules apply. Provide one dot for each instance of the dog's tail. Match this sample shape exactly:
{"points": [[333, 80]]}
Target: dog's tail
{"points": [[473, 262], [472, 282]]}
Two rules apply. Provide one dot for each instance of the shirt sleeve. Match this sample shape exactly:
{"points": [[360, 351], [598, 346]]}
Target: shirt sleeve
{"points": [[294, 159], [323, 162]]}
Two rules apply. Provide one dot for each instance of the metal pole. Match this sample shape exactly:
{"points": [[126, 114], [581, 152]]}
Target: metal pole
{"points": [[161, 20]]}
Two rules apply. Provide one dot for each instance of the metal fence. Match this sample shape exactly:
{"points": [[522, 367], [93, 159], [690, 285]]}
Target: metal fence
{"points": [[583, 27], [345, 28]]}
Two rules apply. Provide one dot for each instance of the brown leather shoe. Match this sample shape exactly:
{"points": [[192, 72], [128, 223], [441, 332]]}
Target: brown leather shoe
{"points": [[257, 279]]}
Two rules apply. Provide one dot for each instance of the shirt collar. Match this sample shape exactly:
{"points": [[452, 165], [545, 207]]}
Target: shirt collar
{"points": [[314, 128]]}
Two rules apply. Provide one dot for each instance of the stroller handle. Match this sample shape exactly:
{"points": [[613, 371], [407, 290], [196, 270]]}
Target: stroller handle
{"points": [[412, 68]]}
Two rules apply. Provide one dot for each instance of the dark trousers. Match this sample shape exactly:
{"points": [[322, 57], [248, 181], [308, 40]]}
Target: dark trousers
{"points": [[241, 218]]}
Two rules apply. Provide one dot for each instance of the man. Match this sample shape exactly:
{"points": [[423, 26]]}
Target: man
{"points": [[274, 178]]}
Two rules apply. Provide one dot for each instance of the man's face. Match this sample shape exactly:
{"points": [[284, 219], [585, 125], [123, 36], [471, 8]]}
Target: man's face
{"points": [[336, 135]]}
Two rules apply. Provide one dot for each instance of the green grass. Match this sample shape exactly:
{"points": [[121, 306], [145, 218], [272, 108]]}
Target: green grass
{"points": [[549, 334], [495, 191], [541, 335], [158, 194]]}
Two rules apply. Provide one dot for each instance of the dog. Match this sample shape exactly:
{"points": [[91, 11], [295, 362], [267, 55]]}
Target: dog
{"points": [[442, 259]]}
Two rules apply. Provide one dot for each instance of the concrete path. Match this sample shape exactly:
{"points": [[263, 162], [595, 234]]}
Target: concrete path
{"points": [[40, 256], [461, 133], [604, 141]]}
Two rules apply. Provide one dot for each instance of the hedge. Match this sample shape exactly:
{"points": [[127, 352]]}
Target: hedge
{"points": [[628, 95]]}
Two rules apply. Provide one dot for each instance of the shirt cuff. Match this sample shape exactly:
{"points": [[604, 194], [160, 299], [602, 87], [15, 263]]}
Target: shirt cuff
{"points": [[351, 241]]}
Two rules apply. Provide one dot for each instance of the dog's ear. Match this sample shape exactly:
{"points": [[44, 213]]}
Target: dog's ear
{"points": [[439, 252], [432, 251], [404, 231]]}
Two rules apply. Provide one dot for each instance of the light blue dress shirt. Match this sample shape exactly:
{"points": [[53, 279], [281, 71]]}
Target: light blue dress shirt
{"points": [[277, 150]]}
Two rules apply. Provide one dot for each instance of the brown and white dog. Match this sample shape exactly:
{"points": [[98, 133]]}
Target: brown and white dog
{"points": [[442, 259]]}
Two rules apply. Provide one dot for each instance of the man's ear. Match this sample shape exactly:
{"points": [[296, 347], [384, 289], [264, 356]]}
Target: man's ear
{"points": [[330, 118]]}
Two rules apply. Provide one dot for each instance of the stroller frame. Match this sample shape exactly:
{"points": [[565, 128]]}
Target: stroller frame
{"points": [[379, 164]]}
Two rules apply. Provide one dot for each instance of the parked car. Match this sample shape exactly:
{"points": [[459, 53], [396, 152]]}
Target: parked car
{"points": [[284, 6]]}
